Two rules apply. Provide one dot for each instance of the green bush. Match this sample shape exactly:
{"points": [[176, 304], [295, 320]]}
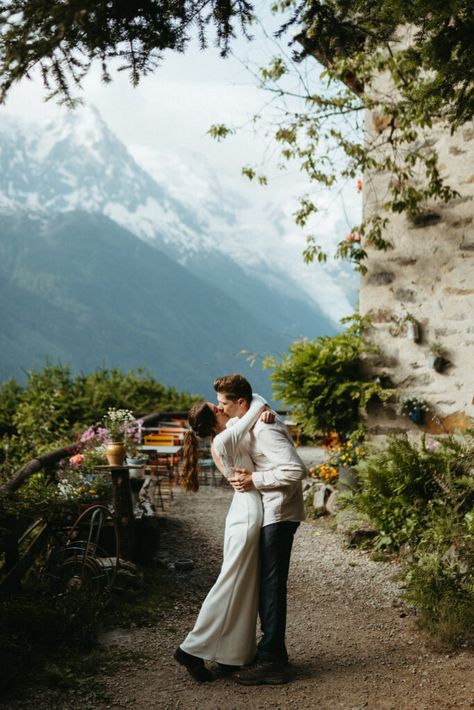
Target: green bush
{"points": [[38, 630], [52, 639], [55, 405], [420, 498], [407, 488], [322, 382], [49, 412], [443, 592]]}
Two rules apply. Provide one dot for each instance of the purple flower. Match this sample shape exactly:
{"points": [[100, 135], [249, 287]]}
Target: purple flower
{"points": [[88, 434]]}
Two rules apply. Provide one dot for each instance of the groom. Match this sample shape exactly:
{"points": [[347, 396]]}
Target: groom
{"points": [[277, 475]]}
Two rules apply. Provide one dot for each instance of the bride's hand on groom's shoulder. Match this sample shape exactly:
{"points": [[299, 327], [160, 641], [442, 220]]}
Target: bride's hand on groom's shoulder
{"points": [[268, 416]]}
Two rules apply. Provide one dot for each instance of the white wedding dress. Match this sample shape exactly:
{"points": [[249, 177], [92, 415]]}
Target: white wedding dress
{"points": [[225, 630]]}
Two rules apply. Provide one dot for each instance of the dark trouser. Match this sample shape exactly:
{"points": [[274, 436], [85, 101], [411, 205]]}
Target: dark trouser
{"points": [[276, 541]]}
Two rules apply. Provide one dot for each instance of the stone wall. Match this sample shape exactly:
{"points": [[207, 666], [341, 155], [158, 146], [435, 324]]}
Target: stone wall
{"points": [[427, 276]]}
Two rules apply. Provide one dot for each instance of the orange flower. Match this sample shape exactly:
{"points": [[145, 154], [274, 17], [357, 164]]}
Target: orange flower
{"points": [[359, 185], [352, 237], [331, 440], [76, 460]]}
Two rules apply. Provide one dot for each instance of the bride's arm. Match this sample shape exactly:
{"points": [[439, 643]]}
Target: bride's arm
{"points": [[225, 444], [217, 460]]}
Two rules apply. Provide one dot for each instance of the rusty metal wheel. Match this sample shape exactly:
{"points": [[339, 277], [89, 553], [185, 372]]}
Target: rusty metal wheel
{"points": [[83, 564]]}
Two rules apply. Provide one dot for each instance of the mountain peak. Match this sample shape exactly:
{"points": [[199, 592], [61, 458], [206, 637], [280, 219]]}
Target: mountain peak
{"points": [[80, 130]]}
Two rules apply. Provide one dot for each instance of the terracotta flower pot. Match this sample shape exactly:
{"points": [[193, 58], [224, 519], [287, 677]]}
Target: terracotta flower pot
{"points": [[115, 453]]}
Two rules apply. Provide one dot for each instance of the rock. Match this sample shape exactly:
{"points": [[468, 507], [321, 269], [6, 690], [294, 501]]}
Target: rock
{"points": [[405, 294], [128, 579], [381, 278], [331, 503], [361, 535], [184, 565], [425, 219], [319, 499], [355, 528], [381, 121]]}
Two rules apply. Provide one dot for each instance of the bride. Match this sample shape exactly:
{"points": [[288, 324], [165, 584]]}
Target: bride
{"points": [[225, 629]]}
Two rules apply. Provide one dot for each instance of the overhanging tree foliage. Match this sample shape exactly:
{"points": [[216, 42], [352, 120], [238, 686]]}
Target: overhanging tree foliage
{"points": [[425, 47], [64, 38], [433, 67], [424, 50]]}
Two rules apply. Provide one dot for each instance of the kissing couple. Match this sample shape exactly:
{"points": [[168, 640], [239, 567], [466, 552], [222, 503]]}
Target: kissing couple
{"points": [[253, 449]]}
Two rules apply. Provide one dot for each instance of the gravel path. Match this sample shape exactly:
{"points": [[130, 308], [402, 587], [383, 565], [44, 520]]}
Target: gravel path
{"points": [[351, 641]]}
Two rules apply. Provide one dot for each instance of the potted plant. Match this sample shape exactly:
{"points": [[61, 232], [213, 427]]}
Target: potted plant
{"points": [[116, 422], [133, 442], [80, 486], [415, 409], [135, 457], [436, 358]]}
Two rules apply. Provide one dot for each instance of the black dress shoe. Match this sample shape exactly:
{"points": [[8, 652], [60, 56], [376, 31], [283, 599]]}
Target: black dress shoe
{"points": [[263, 673], [225, 669], [194, 665]]}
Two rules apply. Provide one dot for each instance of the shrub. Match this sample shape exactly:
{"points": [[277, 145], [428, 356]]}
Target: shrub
{"points": [[321, 380], [54, 405], [420, 498], [443, 592], [35, 626], [406, 485]]}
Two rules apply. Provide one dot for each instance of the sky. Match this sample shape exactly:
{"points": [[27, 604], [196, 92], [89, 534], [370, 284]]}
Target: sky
{"points": [[164, 123]]}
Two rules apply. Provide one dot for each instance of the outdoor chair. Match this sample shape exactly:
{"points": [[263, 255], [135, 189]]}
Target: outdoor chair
{"points": [[161, 484], [158, 440], [208, 472]]}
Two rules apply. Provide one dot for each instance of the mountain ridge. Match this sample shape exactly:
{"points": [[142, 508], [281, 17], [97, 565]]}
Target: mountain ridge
{"points": [[98, 310], [57, 191]]}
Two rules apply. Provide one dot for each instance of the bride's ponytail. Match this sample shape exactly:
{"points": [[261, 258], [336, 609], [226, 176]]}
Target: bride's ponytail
{"points": [[202, 421], [189, 478]]}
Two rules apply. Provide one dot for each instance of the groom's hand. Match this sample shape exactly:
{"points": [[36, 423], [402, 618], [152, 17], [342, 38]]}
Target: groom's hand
{"points": [[243, 480]]}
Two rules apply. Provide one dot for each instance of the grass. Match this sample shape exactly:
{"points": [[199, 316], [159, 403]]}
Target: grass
{"points": [[75, 679], [143, 607]]}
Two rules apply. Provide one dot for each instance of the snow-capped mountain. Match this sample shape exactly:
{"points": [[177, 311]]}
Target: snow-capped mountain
{"points": [[74, 164], [180, 294], [77, 163]]}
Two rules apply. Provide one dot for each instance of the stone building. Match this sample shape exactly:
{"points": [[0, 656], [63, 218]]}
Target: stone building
{"points": [[420, 295]]}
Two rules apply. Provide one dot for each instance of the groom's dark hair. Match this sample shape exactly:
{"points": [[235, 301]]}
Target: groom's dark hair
{"points": [[234, 387]]}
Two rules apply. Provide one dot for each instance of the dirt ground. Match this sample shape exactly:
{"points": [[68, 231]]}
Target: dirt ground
{"points": [[352, 642]]}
